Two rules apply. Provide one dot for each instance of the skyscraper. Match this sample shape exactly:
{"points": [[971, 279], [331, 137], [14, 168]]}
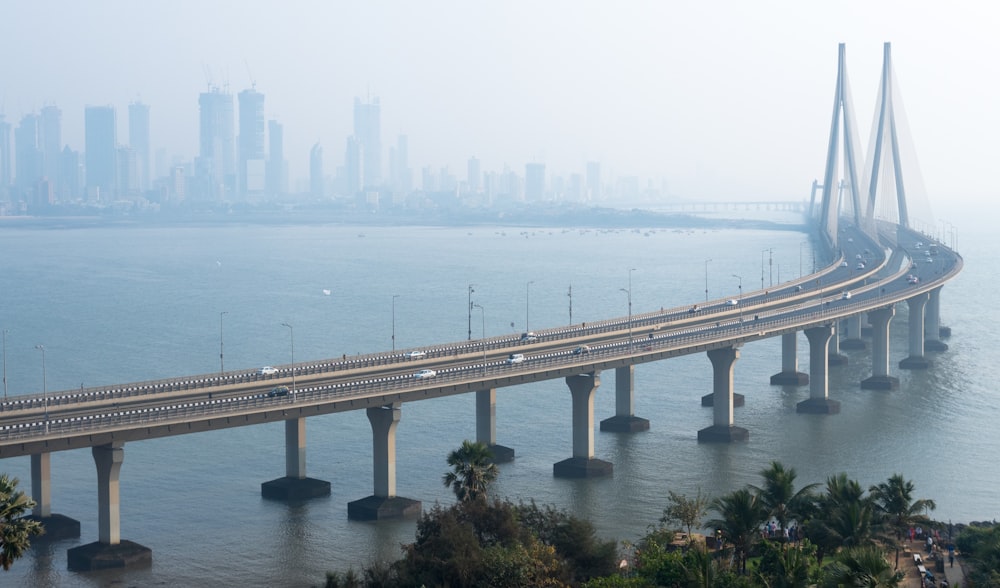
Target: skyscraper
{"points": [[138, 140], [316, 171], [101, 156], [368, 133], [217, 155], [534, 182], [276, 158], [27, 156], [251, 140], [6, 173], [50, 135]]}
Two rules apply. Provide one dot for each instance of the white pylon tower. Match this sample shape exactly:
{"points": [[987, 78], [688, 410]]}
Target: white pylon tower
{"points": [[885, 130], [843, 115]]}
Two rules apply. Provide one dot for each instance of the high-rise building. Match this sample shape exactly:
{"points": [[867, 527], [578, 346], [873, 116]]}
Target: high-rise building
{"points": [[217, 155], [101, 152], [368, 133], [138, 140], [474, 177], [6, 172], [276, 183], [50, 134], [534, 182], [27, 156], [251, 140], [316, 171]]}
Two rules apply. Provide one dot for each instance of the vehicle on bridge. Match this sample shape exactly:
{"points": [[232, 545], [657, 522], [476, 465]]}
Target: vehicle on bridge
{"points": [[424, 374], [529, 337], [732, 302], [515, 358], [845, 296], [586, 348], [267, 371], [278, 391], [414, 354]]}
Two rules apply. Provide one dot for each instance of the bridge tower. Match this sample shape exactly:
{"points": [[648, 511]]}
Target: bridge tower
{"points": [[843, 115], [886, 131]]}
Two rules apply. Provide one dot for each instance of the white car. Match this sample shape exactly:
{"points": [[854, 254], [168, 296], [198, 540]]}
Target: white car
{"points": [[529, 336], [424, 374], [861, 265], [732, 302], [845, 296], [515, 358], [843, 264], [267, 371], [414, 354]]}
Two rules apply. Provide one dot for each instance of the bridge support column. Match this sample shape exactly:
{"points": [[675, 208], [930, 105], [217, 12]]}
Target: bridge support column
{"points": [[486, 425], [790, 374], [295, 485], [57, 526], [722, 429], [916, 359], [625, 420], [583, 464], [384, 504], [932, 323], [853, 340], [819, 398], [880, 380], [835, 357], [109, 551]]}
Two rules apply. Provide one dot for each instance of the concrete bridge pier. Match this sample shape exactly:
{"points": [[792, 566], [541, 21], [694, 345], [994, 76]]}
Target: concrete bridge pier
{"points": [[295, 485], [486, 425], [625, 420], [916, 359], [932, 323], [109, 551], [383, 503], [790, 374], [852, 338], [722, 429], [835, 357], [880, 379], [819, 398], [583, 464], [57, 526]]}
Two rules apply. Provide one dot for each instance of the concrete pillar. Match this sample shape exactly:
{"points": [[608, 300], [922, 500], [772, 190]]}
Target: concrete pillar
{"points": [[722, 429], [625, 420], [109, 551], [852, 338], [790, 374], [932, 323], [916, 359], [383, 503], [486, 425], [835, 357], [41, 484], [880, 379], [295, 485], [819, 399], [583, 464]]}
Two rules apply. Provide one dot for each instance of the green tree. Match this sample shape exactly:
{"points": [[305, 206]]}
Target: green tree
{"points": [[15, 530], [685, 511], [844, 517], [779, 496], [896, 508], [472, 471], [741, 513], [784, 568], [861, 567]]}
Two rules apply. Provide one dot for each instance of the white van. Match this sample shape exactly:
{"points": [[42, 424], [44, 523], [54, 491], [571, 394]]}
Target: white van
{"points": [[515, 358]]}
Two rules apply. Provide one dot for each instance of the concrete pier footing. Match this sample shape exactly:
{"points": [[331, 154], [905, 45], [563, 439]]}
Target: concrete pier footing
{"points": [[379, 508], [102, 556], [57, 527], [709, 399], [287, 488], [723, 434]]}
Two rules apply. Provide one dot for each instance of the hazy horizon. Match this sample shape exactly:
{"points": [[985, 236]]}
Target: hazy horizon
{"points": [[722, 100]]}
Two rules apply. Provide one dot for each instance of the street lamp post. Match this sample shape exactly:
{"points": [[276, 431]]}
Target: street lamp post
{"points": [[570, 304], [394, 297], [740, 301], [483, 311], [770, 268], [222, 363], [471, 286], [5, 364], [527, 306], [291, 335], [706, 279], [45, 394]]}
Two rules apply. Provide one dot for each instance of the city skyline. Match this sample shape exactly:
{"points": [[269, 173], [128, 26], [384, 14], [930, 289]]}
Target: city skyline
{"points": [[733, 104]]}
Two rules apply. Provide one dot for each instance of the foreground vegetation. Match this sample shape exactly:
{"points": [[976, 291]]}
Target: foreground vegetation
{"points": [[774, 535], [15, 530]]}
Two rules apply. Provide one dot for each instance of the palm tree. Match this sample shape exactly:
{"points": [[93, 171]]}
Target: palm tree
{"points": [[862, 567], [897, 509], [15, 532], [779, 496], [844, 517], [741, 515], [472, 471]]}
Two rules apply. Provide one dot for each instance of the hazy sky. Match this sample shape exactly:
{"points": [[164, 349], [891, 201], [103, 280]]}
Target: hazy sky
{"points": [[723, 100]]}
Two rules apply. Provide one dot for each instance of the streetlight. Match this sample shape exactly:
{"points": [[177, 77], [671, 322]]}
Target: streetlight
{"points": [[527, 299], [394, 297], [762, 252], [5, 364], [471, 286], [570, 304], [706, 279], [483, 311], [222, 364], [740, 302], [291, 335], [41, 348]]}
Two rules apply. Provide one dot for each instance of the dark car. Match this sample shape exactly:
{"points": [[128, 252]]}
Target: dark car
{"points": [[278, 391]]}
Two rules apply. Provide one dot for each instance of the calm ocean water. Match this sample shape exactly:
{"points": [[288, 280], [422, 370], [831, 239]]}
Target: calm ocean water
{"points": [[119, 304]]}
